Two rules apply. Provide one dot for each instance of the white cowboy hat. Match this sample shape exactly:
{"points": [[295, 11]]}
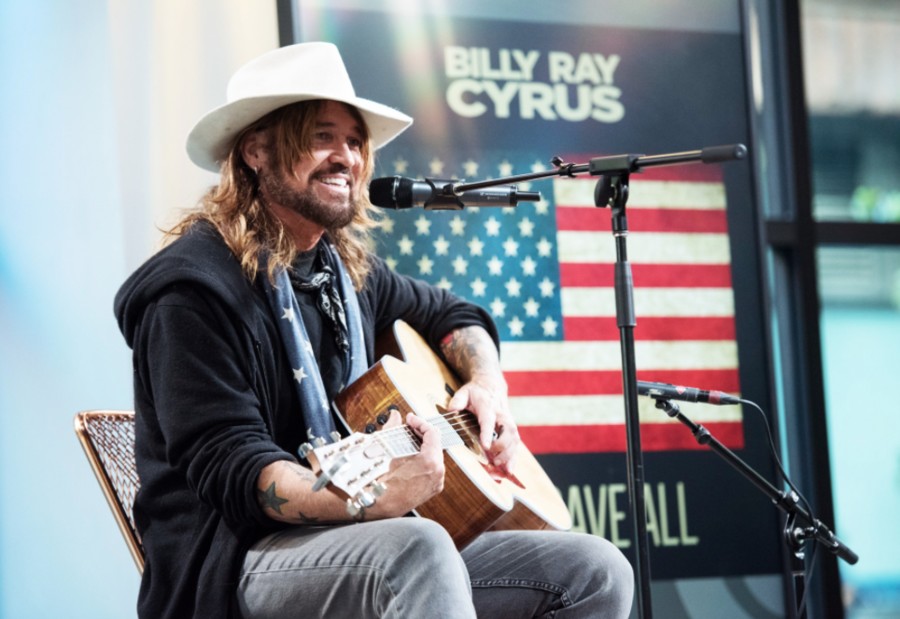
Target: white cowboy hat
{"points": [[285, 75]]}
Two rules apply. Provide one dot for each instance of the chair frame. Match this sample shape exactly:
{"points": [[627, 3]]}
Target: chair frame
{"points": [[121, 512]]}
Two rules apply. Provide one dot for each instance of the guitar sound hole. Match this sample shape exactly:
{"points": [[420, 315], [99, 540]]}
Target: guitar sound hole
{"points": [[468, 430]]}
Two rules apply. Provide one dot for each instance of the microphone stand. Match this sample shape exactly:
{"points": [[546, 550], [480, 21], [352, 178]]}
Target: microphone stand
{"points": [[800, 525], [612, 191]]}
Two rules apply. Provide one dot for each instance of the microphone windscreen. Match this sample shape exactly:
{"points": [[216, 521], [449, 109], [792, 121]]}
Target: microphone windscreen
{"points": [[391, 192], [381, 191]]}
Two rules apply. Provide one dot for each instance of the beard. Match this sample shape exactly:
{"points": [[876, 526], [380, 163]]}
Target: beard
{"points": [[330, 214]]}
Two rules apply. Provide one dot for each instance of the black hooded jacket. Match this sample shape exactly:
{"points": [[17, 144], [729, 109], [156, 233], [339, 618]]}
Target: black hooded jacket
{"points": [[215, 403]]}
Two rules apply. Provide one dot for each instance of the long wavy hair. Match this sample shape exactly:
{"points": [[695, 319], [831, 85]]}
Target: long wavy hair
{"points": [[250, 229]]}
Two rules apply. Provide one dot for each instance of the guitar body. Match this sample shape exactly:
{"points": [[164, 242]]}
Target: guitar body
{"points": [[412, 378]]}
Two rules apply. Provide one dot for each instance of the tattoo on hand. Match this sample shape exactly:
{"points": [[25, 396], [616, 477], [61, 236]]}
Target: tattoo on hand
{"points": [[270, 499], [304, 519]]}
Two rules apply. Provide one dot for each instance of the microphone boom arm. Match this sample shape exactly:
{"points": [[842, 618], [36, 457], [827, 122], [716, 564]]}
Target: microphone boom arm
{"points": [[801, 525], [615, 164]]}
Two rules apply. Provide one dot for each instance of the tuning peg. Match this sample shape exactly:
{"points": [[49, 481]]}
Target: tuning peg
{"points": [[353, 508], [335, 436], [378, 488], [304, 450], [365, 499], [318, 441]]}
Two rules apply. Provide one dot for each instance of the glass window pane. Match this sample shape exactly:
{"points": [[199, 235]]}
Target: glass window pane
{"points": [[860, 329], [850, 51]]}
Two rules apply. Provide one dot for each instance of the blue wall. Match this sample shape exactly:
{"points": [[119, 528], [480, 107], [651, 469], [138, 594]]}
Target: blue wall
{"points": [[860, 355], [61, 260]]}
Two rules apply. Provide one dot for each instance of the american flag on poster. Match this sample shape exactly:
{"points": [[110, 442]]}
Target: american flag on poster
{"points": [[544, 271]]}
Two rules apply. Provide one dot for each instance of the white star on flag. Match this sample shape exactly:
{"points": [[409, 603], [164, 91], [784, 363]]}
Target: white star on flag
{"points": [[510, 247], [406, 246], [425, 265], [460, 265], [549, 326], [495, 266], [492, 226], [423, 225], [547, 287], [441, 246], [457, 226], [478, 287], [288, 314], [400, 165], [526, 227], [544, 247], [529, 266], [498, 307], [513, 287]]}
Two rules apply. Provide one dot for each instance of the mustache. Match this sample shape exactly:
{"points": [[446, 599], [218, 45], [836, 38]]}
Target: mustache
{"points": [[334, 168]]}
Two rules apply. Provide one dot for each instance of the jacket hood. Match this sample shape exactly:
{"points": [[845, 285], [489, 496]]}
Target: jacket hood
{"points": [[197, 258]]}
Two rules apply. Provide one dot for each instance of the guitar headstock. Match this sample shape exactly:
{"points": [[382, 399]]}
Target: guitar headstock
{"points": [[352, 465]]}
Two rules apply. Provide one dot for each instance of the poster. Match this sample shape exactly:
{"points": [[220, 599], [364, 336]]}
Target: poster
{"points": [[497, 96]]}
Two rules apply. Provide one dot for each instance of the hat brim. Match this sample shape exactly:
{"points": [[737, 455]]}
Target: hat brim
{"points": [[211, 138]]}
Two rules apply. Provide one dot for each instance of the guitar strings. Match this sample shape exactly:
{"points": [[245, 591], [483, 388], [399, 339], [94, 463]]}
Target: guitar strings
{"points": [[449, 425]]}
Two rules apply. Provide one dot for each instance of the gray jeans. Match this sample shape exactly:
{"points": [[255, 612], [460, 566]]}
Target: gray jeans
{"points": [[409, 568]]}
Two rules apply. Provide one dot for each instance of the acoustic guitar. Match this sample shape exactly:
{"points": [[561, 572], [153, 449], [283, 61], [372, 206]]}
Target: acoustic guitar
{"points": [[476, 498]]}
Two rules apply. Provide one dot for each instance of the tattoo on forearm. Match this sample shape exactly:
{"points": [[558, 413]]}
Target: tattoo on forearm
{"points": [[465, 350], [304, 473], [269, 498]]}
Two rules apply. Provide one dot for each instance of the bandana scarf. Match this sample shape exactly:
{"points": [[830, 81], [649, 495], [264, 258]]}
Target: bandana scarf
{"points": [[321, 286], [314, 403]]}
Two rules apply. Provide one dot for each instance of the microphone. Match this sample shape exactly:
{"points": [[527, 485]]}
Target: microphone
{"points": [[397, 192], [686, 394]]}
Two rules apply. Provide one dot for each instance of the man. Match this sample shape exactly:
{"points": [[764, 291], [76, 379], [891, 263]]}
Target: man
{"points": [[261, 310]]}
